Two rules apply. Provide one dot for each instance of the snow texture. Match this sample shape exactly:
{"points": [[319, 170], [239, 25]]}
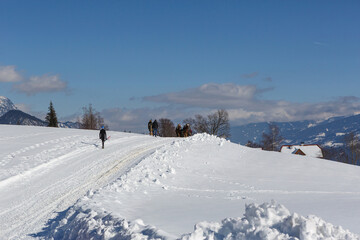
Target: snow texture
{"points": [[265, 221], [269, 221], [59, 184]]}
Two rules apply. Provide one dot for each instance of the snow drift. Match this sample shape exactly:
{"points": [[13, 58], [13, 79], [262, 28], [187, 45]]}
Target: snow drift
{"points": [[265, 221], [269, 221]]}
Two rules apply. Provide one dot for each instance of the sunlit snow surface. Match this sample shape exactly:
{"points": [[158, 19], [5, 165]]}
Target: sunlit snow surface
{"points": [[193, 188]]}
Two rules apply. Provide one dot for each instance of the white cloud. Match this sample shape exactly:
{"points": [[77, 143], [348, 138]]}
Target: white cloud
{"points": [[45, 83], [242, 103], [9, 74], [286, 111], [26, 108], [134, 120], [210, 95], [23, 107], [245, 106]]}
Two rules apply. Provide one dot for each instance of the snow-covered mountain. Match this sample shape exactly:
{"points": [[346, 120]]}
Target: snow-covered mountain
{"points": [[9, 114], [326, 133], [59, 184], [17, 117], [6, 105]]}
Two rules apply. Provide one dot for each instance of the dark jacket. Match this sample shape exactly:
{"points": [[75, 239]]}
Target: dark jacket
{"points": [[102, 134], [178, 131], [155, 125]]}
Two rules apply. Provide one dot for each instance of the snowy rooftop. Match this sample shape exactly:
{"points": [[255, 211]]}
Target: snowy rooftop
{"points": [[311, 150]]}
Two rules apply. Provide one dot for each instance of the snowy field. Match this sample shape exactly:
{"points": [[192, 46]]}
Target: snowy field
{"points": [[60, 184]]}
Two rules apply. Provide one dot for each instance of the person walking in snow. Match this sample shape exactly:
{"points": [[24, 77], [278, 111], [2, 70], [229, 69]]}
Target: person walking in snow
{"points": [[155, 127], [102, 135], [186, 130], [150, 124], [178, 130]]}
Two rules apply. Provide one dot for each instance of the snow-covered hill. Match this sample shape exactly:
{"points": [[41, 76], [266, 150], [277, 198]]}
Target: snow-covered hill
{"points": [[6, 105], [58, 184]]}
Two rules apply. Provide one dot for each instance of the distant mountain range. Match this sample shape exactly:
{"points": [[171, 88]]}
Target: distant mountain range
{"points": [[9, 114], [328, 133], [17, 117], [69, 124]]}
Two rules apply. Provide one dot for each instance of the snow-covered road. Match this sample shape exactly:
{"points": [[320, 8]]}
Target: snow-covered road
{"points": [[48, 171]]}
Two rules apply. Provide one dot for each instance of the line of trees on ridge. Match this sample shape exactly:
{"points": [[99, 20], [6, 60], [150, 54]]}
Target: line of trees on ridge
{"points": [[216, 123]]}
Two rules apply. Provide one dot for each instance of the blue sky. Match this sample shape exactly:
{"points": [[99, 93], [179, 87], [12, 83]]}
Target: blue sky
{"points": [[136, 60]]}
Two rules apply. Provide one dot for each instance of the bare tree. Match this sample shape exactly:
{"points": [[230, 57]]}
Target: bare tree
{"points": [[91, 119], [216, 123], [190, 121], [201, 124], [271, 141], [196, 124], [167, 128], [337, 154], [352, 143], [100, 121]]}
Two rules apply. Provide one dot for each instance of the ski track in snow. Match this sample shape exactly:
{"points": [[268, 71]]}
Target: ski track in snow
{"points": [[30, 178]]}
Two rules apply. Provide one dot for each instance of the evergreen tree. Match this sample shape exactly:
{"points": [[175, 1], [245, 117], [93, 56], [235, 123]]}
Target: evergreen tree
{"points": [[51, 118]]}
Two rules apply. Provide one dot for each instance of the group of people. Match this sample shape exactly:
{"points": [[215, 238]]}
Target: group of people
{"points": [[153, 127], [183, 131], [180, 131]]}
